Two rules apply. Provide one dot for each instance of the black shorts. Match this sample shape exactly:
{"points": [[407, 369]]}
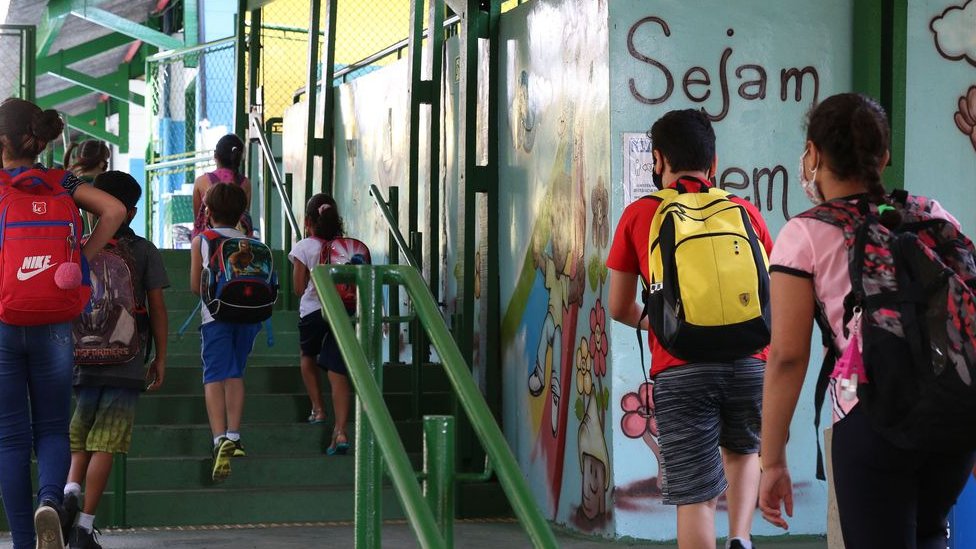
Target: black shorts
{"points": [[317, 340], [699, 408]]}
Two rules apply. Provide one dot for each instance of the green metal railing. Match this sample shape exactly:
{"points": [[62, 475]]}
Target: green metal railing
{"points": [[376, 437]]}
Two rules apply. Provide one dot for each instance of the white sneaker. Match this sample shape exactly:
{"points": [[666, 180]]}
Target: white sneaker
{"points": [[47, 524]]}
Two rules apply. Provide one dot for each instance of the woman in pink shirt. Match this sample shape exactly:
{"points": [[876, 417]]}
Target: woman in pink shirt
{"points": [[887, 496]]}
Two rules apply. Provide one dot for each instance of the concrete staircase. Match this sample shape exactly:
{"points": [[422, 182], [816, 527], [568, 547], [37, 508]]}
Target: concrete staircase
{"points": [[286, 477]]}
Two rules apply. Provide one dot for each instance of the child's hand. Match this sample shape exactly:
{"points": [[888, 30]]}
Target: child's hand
{"points": [[155, 374]]}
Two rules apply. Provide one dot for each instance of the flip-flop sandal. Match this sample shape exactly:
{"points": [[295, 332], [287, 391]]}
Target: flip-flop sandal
{"points": [[314, 420], [338, 447]]}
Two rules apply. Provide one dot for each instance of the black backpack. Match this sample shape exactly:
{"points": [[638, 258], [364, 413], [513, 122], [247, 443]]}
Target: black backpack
{"points": [[914, 285]]}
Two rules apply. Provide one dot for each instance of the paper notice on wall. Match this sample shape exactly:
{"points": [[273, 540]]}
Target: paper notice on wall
{"points": [[638, 166]]}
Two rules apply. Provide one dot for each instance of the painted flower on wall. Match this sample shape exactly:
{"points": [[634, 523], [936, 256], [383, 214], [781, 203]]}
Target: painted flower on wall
{"points": [[584, 378], [966, 115], [638, 422], [638, 410], [598, 338], [600, 204]]}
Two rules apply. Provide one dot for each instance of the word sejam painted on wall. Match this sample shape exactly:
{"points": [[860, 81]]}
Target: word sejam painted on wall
{"points": [[748, 80]]}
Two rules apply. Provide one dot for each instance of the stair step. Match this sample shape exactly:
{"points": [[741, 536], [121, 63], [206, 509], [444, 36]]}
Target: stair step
{"points": [[275, 408], [281, 320], [229, 505], [184, 376], [254, 471], [285, 345], [261, 439]]}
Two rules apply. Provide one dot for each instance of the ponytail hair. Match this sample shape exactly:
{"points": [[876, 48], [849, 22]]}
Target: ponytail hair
{"points": [[852, 132], [27, 128], [229, 152], [322, 217], [92, 155]]}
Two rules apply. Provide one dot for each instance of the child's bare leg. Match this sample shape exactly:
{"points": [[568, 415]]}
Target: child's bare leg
{"points": [[234, 400], [79, 466], [341, 399], [99, 469], [312, 379], [216, 409]]}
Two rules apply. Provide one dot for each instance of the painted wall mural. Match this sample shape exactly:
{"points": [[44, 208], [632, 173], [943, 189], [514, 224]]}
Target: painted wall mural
{"points": [[940, 97], [555, 232], [579, 413], [666, 56], [954, 34]]}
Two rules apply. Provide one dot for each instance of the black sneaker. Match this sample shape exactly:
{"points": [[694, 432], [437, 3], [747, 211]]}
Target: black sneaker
{"points": [[70, 509], [83, 539], [239, 449], [735, 544], [47, 524]]}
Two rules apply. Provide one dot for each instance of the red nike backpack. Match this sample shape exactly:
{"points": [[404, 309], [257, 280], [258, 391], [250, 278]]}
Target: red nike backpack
{"points": [[40, 230]]}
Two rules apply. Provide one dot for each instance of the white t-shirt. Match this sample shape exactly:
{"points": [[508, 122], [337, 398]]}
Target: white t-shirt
{"points": [[307, 251], [205, 254]]}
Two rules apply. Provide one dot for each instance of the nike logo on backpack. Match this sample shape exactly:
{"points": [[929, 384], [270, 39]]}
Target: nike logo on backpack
{"points": [[33, 266]]}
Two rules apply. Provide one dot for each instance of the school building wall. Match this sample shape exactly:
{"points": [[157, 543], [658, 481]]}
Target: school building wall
{"points": [[940, 97], [580, 83]]}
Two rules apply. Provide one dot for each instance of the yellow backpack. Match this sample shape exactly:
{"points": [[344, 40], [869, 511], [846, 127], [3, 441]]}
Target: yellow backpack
{"points": [[708, 297]]}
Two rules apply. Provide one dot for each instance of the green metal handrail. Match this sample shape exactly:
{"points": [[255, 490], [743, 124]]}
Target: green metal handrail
{"points": [[394, 227], [370, 280]]}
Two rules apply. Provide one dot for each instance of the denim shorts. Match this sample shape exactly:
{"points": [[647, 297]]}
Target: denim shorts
{"points": [[103, 419], [317, 340], [699, 408], [225, 348]]}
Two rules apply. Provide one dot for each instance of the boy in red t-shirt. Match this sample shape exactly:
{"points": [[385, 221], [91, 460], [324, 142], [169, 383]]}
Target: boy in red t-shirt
{"points": [[699, 407]]}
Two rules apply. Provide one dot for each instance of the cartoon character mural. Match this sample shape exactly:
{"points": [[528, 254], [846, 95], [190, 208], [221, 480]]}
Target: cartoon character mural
{"points": [[554, 331], [557, 254], [952, 31]]}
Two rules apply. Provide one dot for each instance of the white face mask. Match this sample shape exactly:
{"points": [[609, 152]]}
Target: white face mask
{"points": [[810, 187]]}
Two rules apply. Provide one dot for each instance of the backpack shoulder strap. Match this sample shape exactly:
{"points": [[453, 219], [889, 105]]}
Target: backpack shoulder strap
{"points": [[720, 193], [663, 195], [823, 382]]}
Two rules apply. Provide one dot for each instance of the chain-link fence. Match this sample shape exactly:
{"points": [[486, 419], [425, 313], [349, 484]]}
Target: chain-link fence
{"points": [[362, 29], [284, 54], [16, 50], [191, 99]]}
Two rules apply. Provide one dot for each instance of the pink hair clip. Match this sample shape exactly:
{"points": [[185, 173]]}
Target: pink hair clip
{"points": [[324, 207]]}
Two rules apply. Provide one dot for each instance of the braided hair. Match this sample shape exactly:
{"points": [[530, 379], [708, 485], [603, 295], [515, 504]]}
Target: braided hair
{"points": [[852, 132]]}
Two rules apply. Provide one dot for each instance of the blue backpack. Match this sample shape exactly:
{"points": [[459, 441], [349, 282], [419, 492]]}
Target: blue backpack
{"points": [[239, 283]]}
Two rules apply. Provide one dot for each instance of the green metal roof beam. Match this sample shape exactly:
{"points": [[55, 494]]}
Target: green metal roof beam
{"points": [[81, 52], [122, 25], [114, 85], [92, 123], [52, 100], [55, 14], [47, 32]]}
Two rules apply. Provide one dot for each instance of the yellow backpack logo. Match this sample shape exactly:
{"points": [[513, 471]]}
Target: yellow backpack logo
{"points": [[708, 297]]}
